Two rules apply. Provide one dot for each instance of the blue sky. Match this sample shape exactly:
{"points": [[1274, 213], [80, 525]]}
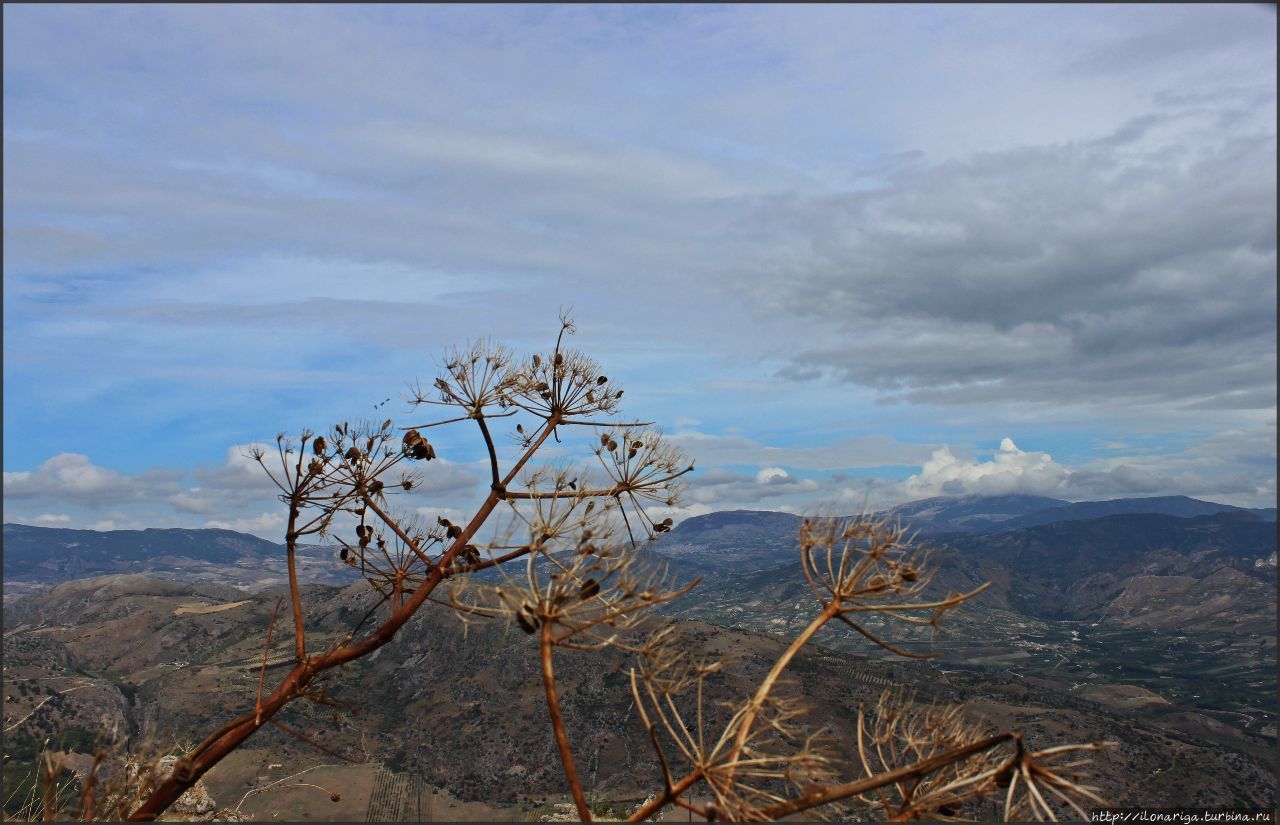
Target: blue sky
{"points": [[840, 253]]}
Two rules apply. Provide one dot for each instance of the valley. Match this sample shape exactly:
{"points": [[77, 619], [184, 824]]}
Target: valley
{"points": [[1152, 634]]}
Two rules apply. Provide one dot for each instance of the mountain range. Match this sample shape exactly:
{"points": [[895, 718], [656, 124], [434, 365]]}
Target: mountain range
{"points": [[460, 707], [1146, 621]]}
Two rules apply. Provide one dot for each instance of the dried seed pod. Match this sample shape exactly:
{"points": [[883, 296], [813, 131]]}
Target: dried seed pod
{"points": [[589, 588], [407, 484], [559, 359], [375, 486], [527, 619], [612, 445], [907, 574], [601, 381], [537, 361], [619, 395], [342, 554], [453, 531], [353, 454], [520, 429], [604, 439], [319, 445]]}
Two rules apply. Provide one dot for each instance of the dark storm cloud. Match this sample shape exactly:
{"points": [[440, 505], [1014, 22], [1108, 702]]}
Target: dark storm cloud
{"points": [[1120, 269]]}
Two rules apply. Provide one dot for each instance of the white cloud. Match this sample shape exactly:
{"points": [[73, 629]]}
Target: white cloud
{"points": [[767, 474], [1011, 470], [1232, 467], [52, 520], [195, 500], [443, 477], [74, 478], [268, 525], [724, 489]]}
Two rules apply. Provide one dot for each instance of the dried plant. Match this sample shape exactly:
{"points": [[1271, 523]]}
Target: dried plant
{"points": [[107, 786], [573, 535], [581, 587], [915, 762]]}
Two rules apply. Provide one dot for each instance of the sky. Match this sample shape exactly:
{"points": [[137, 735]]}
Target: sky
{"points": [[844, 256]]}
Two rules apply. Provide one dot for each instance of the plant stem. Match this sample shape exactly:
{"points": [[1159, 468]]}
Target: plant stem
{"points": [[762, 693], [557, 724], [921, 768]]}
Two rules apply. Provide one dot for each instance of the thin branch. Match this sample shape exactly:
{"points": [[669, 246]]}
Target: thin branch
{"points": [[493, 453], [557, 724], [922, 768], [282, 726], [466, 417], [262, 672]]}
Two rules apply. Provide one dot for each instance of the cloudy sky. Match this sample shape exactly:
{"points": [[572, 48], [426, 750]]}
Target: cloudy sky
{"points": [[842, 254]]}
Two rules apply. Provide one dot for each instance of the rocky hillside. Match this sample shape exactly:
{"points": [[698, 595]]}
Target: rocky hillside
{"points": [[461, 705]]}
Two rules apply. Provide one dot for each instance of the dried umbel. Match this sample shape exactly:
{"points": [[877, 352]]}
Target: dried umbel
{"points": [[776, 758], [579, 579], [971, 763], [475, 379], [914, 761], [583, 588], [643, 470], [566, 384], [579, 589], [869, 565]]}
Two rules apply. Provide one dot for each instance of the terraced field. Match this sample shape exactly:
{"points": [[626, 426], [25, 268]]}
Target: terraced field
{"points": [[396, 797]]}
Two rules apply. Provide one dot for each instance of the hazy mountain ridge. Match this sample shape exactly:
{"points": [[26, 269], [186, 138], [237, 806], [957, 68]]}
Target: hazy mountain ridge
{"points": [[48, 555], [970, 513], [61, 550], [36, 558], [1178, 506], [760, 538]]}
